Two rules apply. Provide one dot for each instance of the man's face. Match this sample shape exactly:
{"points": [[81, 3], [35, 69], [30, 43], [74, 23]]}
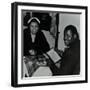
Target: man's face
{"points": [[68, 37], [34, 27]]}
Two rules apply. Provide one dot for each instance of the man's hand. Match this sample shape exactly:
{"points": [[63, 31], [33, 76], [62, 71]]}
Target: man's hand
{"points": [[60, 52]]}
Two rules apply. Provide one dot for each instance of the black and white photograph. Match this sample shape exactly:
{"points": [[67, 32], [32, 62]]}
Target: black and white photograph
{"points": [[49, 44], [39, 40]]}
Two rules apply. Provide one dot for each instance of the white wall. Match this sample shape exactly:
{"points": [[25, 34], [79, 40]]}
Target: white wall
{"points": [[66, 19], [5, 46]]}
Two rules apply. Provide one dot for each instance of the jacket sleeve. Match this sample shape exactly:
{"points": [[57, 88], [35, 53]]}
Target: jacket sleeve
{"points": [[55, 70], [69, 63]]}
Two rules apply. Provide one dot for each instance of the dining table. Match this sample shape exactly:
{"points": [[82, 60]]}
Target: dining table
{"points": [[35, 66]]}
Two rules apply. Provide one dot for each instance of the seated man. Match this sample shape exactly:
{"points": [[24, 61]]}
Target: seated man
{"points": [[70, 62]]}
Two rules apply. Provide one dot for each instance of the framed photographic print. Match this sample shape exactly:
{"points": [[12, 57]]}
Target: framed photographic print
{"points": [[49, 44]]}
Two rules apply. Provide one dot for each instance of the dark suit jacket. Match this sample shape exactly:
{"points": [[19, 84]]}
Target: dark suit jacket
{"points": [[70, 62], [40, 45]]}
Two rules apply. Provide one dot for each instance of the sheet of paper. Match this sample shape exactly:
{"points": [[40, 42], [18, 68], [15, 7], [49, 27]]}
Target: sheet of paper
{"points": [[53, 55]]}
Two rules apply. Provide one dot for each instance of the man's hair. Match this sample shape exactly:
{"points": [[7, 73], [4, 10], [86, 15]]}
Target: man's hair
{"points": [[73, 29]]}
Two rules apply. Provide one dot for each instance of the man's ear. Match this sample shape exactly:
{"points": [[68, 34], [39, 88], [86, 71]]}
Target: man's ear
{"points": [[75, 36]]}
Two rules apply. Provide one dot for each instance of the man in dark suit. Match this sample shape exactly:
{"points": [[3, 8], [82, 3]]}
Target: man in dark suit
{"points": [[70, 62]]}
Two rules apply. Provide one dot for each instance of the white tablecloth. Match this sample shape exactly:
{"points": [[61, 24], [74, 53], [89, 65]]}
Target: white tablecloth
{"points": [[43, 71]]}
